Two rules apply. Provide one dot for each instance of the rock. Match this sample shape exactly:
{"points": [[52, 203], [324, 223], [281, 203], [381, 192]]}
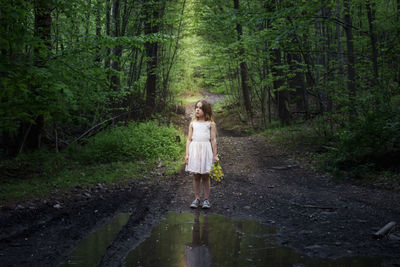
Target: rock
{"points": [[101, 186], [87, 195], [313, 247], [57, 206], [246, 207], [328, 212], [19, 207]]}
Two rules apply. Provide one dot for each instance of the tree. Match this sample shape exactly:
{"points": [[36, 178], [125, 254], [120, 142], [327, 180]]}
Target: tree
{"points": [[151, 27], [242, 64], [34, 131], [350, 58]]}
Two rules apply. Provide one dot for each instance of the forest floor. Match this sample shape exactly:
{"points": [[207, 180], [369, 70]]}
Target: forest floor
{"points": [[313, 215]]}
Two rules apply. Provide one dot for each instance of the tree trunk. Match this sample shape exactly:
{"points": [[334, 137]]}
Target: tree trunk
{"points": [[243, 66], [264, 91], [298, 83], [371, 23], [282, 95], [32, 132], [117, 51], [340, 57], [43, 33], [172, 60], [350, 59], [151, 26], [398, 33], [98, 9], [326, 33], [108, 33], [88, 10]]}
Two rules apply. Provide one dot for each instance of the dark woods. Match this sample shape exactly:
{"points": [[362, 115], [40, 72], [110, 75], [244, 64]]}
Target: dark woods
{"points": [[333, 65], [69, 66]]}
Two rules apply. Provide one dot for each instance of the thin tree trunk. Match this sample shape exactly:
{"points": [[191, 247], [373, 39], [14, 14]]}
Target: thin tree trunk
{"points": [[88, 10], [108, 33], [42, 29], [264, 92], [57, 31], [371, 23], [340, 59], [398, 33], [282, 95], [98, 10], [117, 51], [243, 66], [350, 59], [151, 26], [298, 83], [178, 36]]}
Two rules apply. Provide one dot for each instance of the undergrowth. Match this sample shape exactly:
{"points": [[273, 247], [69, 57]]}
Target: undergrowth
{"points": [[119, 154], [368, 148]]}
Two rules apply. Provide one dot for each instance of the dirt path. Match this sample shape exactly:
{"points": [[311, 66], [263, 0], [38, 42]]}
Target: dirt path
{"points": [[312, 214]]}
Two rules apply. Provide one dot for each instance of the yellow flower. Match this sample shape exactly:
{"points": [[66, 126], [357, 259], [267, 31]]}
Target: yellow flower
{"points": [[216, 172]]}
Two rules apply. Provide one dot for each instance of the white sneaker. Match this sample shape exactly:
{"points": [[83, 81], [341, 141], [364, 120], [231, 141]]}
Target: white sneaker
{"points": [[195, 204], [206, 204]]}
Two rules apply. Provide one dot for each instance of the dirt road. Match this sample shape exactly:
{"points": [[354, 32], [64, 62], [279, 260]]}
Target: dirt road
{"points": [[312, 214]]}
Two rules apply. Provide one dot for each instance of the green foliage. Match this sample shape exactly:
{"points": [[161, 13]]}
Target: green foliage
{"points": [[368, 141], [299, 136], [114, 155], [137, 141]]}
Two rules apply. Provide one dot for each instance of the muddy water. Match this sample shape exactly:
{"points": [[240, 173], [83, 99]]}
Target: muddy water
{"points": [[90, 250], [186, 239]]}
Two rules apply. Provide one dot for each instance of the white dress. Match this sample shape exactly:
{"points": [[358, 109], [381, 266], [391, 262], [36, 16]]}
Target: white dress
{"points": [[200, 150]]}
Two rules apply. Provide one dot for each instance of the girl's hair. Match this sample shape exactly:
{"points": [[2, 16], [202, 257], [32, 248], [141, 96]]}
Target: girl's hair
{"points": [[206, 107]]}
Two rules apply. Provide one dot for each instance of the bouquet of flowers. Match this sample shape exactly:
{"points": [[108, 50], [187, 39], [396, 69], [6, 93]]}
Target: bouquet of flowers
{"points": [[216, 172]]}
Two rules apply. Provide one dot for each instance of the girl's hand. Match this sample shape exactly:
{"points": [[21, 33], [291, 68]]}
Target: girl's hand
{"points": [[186, 158], [216, 159]]}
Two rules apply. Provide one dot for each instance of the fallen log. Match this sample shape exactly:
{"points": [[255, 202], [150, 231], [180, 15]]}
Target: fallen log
{"points": [[384, 230]]}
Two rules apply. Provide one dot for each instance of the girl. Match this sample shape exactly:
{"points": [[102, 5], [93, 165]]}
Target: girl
{"points": [[201, 151]]}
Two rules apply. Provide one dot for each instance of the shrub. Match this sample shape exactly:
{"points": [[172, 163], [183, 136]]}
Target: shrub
{"points": [[137, 141], [367, 142]]}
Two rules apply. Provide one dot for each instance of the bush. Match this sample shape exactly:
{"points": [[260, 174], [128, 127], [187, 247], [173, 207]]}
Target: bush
{"points": [[368, 142], [137, 141]]}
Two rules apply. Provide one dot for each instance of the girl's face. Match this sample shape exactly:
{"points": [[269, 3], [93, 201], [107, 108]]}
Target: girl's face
{"points": [[198, 111]]}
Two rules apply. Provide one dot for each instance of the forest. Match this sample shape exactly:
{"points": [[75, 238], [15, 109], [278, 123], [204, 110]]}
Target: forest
{"points": [[88, 82]]}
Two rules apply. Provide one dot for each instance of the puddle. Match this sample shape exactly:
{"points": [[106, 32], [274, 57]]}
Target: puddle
{"points": [[186, 239], [90, 250]]}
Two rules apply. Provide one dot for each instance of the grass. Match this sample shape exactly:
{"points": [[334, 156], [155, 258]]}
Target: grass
{"points": [[44, 172], [221, 105], [188, 97], [294, 136], [305, 143], [75, 174]]}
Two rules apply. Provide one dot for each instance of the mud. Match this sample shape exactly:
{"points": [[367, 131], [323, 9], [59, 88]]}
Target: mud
{"points": [[312, 214]]}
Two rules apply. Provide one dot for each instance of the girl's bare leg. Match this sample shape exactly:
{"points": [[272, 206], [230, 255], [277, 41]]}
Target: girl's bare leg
{"points": [[206, 185], [196, 185]]}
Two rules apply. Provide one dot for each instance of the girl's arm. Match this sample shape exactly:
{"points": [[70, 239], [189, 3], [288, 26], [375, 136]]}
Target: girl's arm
{"points": [[214, 141], [189, 140]]}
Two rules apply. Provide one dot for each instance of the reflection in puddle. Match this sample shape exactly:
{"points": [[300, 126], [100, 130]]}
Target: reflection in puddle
{"points": [[186, 239], [90, 250]]}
